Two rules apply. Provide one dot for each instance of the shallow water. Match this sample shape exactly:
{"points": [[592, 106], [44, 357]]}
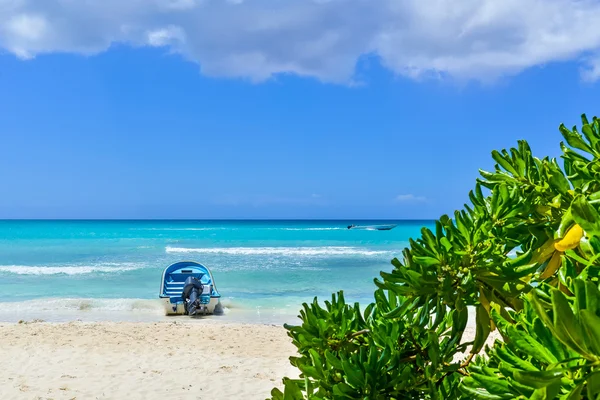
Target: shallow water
{"points": [[111, 270]]}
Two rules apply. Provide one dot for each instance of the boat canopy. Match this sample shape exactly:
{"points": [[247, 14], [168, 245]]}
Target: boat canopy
{"points": [[175, 275]]}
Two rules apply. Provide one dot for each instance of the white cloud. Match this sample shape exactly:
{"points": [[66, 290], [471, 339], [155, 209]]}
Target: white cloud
{"points": [[26, 30], [591, 71], [406, 198], [165, 36], [27, 27], [470, 39]]}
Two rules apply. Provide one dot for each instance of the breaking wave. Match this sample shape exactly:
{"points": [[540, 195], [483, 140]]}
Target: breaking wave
{"points": [[238, 228], [69, 269], [282, 251]]}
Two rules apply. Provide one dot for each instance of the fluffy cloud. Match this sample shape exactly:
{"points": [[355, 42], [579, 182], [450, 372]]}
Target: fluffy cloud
{"points": [[256, 39], [165, 36]]}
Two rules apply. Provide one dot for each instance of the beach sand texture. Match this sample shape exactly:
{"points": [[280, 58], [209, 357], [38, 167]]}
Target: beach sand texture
{"points": [[165, 360], [185, 359]]}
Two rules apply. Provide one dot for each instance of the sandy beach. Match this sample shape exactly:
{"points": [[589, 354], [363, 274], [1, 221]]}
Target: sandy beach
{"points": [[181, 359], [163, 360]]}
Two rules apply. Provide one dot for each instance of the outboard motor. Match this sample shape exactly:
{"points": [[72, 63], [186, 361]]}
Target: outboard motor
{"points": [[192, 290]]}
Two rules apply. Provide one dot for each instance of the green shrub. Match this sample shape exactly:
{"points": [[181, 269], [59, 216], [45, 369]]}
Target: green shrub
{"points": [[520, 253], [552, 349]]}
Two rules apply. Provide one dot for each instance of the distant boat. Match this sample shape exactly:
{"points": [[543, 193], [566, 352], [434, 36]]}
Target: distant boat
{"points": [[188, 288], [373, 227]]}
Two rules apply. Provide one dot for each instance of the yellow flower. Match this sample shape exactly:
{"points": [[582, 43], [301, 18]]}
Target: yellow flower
{"points": [[554, 248], [571, 239]]}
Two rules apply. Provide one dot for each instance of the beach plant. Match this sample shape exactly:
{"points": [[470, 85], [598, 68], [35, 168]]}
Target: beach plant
{"points": [[551, 350], [356, 354], [518, 253]]}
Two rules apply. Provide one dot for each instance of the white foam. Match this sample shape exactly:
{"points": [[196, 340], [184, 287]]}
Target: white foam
{"points": [[69, 269], [132, 310], [85, 309], [55, 304], [308, 229], [82, 304], [177, 229], [282, 251]]}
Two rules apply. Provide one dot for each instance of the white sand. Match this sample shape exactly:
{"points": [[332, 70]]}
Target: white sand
{"points": [[185, 359], [165, 360]]}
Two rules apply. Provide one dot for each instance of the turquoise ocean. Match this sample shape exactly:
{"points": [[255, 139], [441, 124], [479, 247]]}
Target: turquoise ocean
{"points": [[111, 270]]}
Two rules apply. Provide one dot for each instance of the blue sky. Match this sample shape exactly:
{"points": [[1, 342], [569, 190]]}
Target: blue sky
{"points": [[297, 115]]}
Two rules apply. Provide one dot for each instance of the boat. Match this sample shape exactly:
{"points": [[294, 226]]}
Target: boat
{"points": [[188, 288], [373, 227]]}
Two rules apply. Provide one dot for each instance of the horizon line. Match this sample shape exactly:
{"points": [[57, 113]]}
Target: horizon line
{"points": [[216, 219]]}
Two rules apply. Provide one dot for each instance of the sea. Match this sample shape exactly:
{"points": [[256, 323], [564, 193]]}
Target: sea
{"points": [[70, 270]]}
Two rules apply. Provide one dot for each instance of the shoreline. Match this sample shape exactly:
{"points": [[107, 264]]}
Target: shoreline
{"points": [[63, 310]]}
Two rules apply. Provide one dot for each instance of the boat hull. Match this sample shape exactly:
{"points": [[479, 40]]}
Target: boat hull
{"points": [[373, 227], [213, 307]]}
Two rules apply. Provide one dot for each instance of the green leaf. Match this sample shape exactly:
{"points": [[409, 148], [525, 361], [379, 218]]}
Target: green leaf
{"points": [[333, 360], [400, 310], [523, 341], [482, 328], [480, 394], [292, 391], [593, 385], [494, 385], [342, 390], [590, 135], [546, 338], [575, 394], [586, 215], [591, 323], [276, 394], [460, 317], [547, 393], [574, 139], [538, 379], [558, 180], [507, 356], [504, 162], [446, 243], [426, 261], [354, 376], [567, 328], [592, 296]]}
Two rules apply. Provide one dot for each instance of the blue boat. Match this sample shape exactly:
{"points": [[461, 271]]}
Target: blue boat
{"points": [[373, 227], [188, 288]]}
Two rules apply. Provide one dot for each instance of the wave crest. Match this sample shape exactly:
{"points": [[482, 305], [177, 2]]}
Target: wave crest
{"points": [[282, 251], [68, 269]]}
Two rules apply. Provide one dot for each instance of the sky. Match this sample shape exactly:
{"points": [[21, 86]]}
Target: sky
{"points": [[349, 109]]}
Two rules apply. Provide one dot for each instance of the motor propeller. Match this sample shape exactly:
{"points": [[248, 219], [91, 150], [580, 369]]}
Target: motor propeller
{"points": [[192, 289]]}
